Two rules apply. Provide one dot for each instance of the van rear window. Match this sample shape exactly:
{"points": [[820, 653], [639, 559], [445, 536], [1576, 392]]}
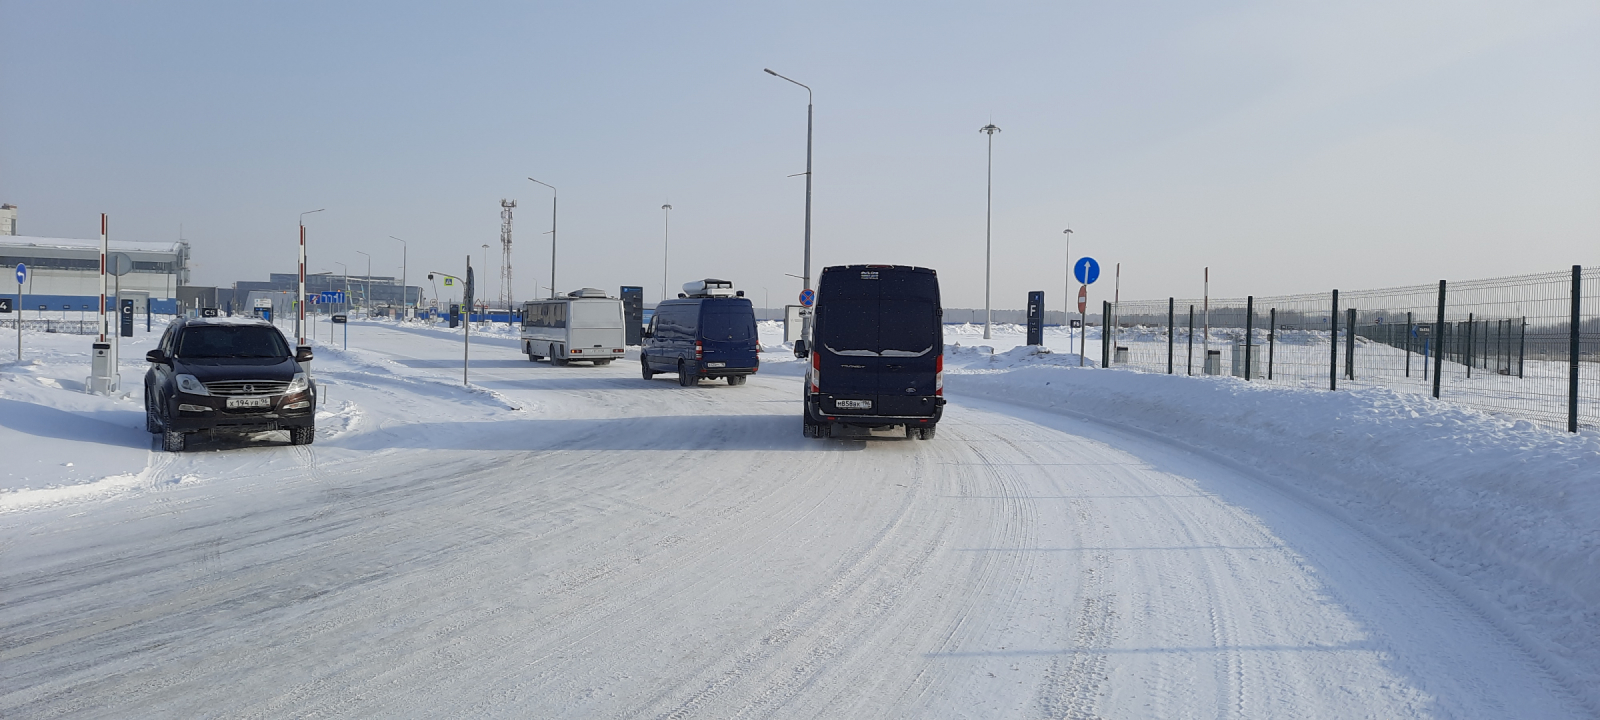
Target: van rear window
{"points": [[728, 325]]}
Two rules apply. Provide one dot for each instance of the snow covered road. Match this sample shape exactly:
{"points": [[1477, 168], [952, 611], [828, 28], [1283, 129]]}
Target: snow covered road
{"points": [[579, 542]]}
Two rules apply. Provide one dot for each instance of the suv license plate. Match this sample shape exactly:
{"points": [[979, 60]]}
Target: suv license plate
{"points": [[249, 402], [853, 404], [720, 364]]}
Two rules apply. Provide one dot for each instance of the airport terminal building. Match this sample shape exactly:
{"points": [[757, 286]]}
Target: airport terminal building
{"points": [[64, 273]]}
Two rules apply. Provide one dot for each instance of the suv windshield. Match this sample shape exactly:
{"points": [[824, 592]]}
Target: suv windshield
{"points": [[232, 341]]}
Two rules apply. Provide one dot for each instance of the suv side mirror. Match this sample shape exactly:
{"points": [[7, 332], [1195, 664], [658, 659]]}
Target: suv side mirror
{"points": [[156, 356], [801, 349], [303, 354]]}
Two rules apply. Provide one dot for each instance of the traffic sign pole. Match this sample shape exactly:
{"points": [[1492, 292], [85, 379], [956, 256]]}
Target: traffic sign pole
{"points": [[22, 276]]}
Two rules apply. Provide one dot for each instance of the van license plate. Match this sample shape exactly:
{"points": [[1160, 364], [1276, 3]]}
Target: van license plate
{"points": [[249, 402], [720, 364], [853, 404]]}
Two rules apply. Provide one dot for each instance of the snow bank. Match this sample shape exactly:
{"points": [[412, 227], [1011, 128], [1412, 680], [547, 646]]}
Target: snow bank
{"points": [[1510, 507]]}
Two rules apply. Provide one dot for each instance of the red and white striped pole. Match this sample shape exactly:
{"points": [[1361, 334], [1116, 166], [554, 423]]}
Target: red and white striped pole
{"points": [[300, 325], [104, 248]]}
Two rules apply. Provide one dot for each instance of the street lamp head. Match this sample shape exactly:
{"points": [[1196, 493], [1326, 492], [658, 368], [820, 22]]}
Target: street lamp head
{"points": [[1067, 231], [666, 207], [768, 71], [990, 128]]}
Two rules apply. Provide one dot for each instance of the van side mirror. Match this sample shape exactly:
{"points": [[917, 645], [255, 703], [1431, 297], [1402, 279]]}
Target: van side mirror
{"points": [[801, 349], [303, 354], [646, 333], [156, 356]]}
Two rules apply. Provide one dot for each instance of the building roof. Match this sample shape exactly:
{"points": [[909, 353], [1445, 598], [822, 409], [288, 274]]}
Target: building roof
{"points": [[44, 243]]}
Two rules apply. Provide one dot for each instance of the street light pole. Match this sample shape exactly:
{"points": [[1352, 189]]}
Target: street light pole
{"points": [[666, 235], [300, 317], [807, 277], [405, 294], [366, 286], [346, 302], [556, 196], [988, 230]]}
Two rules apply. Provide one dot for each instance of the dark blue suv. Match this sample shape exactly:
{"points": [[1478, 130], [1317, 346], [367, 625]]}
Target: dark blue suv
{"points": [[877, 351], [706, 333]]}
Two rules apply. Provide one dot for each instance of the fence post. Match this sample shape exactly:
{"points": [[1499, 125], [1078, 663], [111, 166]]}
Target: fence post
{"points": [[1272, 340], [1350, 344], [1438, 345], [1105, 334], [1572, 351], [1190, 371], [1171, 331], [1249, 331], [1472, 325], [1333, 343], [1522, 346], [1408, 344]]}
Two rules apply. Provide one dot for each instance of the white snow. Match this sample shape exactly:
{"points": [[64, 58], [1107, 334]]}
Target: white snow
{"points": [[581, 542]]}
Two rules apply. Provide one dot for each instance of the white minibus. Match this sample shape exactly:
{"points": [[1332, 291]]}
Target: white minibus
{"points": [[583, 325]]}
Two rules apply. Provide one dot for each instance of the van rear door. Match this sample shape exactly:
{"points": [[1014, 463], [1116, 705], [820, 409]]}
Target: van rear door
{"points": [[846, 335], [728, 334], [910, 340]]}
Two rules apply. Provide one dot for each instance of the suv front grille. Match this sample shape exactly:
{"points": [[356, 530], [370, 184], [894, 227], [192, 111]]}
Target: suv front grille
{"points": [[247, 387]]}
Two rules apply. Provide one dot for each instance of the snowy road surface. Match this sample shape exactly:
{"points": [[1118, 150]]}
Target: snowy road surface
{"points": [[580, 542]]}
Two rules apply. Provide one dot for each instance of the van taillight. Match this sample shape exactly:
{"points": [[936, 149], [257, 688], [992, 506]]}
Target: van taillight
{"points": [[697, 350], [816, 371], [938, 376]]}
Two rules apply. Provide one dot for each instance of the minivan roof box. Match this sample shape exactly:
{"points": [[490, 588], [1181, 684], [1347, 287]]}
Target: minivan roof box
{"points": [[587, 293], [709, 287]]}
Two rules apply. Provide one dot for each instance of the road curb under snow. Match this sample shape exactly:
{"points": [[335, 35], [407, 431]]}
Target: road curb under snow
{"points": [[1510, 508]]}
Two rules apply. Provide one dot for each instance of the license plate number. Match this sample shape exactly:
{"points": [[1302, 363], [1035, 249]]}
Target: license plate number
{"points": [[249, 402], [721, 364], [853, 404]]}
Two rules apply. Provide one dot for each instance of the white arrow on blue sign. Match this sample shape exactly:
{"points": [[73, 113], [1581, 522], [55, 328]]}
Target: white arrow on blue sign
{"points": [[1086, 271], [22, 273]]}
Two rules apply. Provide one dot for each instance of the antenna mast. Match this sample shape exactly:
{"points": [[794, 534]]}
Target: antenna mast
{"points": [[505, 248]]}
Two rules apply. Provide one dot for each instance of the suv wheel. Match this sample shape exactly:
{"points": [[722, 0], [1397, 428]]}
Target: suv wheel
{"points": [[644, 368], [302, 435], [152, 421], [686, 378], [927, 432], [172, 441]]}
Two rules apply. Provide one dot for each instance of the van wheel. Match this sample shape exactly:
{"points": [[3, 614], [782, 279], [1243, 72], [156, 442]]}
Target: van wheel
{"points": [[302, 435], [686, 378], [809, 429], [172, 441], [736, 379], [557, 361], [927, 432], [644, 368]]}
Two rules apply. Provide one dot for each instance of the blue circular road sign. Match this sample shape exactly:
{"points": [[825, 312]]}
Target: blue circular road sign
{"points": [[22, 273], [808, 296], [1086, 271]]}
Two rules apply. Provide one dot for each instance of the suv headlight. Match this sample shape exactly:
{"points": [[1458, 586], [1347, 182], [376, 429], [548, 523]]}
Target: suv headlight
{"points": [[300, 383], [192, 385]]}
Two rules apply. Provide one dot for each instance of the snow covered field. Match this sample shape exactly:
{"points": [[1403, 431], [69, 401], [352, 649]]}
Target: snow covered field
{"points": [[579, 542]]}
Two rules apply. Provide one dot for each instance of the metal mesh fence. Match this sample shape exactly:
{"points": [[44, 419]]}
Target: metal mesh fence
{"points": [[1515, 345], [68, 327]]}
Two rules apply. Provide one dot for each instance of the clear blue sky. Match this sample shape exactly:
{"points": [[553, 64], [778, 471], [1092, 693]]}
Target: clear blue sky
{"points": [[1292, 147]]}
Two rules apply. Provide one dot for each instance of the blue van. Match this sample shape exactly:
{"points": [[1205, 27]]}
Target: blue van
{"points": [[877, 351], [708, 332]]}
